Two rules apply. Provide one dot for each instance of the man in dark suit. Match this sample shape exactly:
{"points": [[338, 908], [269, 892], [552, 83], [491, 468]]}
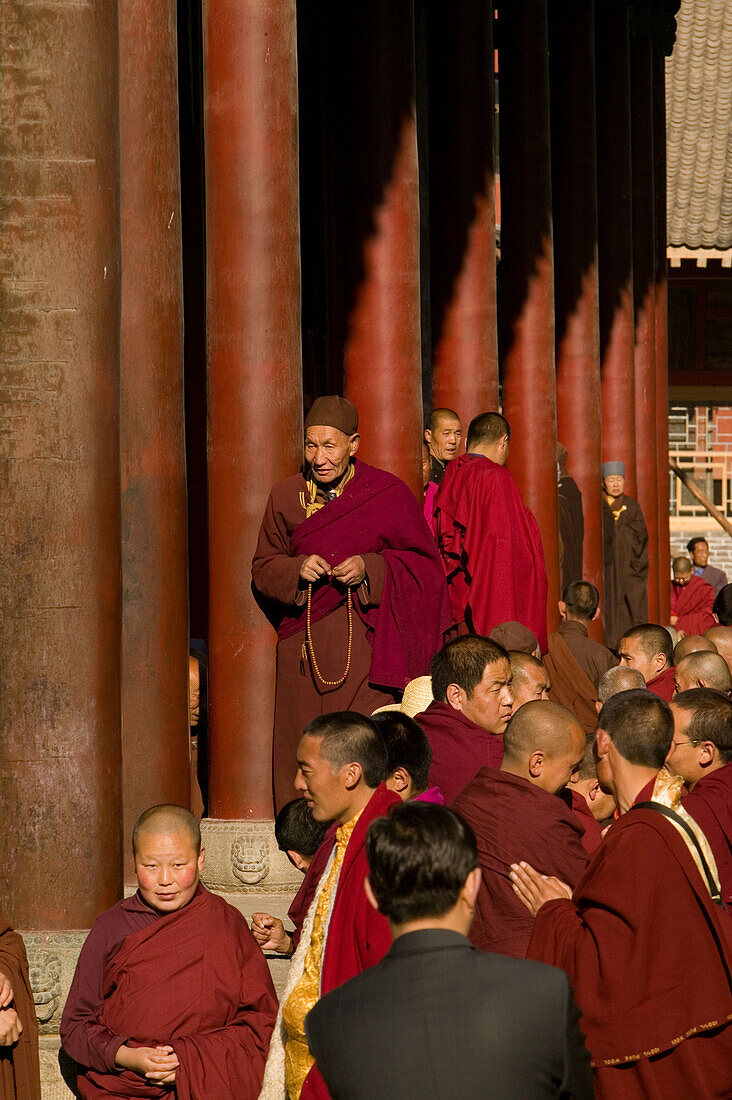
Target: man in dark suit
{"points": [[436, 1018]]}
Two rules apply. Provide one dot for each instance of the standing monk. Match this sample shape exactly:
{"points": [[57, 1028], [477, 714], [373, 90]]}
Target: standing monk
{"points": [[629, 559], [443, 441], [20, 1075], [350, 577], [489, 541], [571, 520], [692, 600]]}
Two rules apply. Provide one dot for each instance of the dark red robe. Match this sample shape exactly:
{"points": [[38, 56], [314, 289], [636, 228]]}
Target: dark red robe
{"points": [[194, 979], [663, 685], [398, 624], [459, 748], [20, 1075], [491, 548], [515, 820], [692, 604], [592, 835], [648, 954], [710, 804]]}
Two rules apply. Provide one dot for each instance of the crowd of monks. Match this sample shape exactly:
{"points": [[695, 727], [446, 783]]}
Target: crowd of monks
{"points": [[449, 776]]}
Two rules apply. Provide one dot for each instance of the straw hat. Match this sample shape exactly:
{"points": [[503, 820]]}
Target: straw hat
{"points": [[417, 697]]}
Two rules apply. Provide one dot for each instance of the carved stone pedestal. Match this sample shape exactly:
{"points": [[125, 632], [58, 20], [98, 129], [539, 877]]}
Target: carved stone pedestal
{"points": [[52, 958]]}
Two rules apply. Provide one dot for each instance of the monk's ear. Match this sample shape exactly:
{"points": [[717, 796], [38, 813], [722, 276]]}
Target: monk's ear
{"points": [[598, 705], [201, 859], [353, 444], [297, 861], [427, 435], [400, 781], [353, 774], [596, 615], [472, 886], [707, 754], [370, 893], [536, 763], [602, 744], [455, 696], [563, 609]]}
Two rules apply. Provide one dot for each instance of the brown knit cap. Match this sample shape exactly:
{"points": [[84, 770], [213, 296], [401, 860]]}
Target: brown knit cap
{"points": [[514, 636], [333, 412]]}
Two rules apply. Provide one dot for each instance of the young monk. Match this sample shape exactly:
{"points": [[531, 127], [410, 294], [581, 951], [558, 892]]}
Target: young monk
{"points": [[170, 990]]}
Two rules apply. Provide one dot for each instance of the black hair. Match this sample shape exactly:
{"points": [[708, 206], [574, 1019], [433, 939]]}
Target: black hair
{"points": [[487, 428], [694, 542], [296, 830], [653, 639], [407, 746], [582, 599], [640, 725], [419, 858], [463, 661], [711, 718], [351, 738], [722, 607]]}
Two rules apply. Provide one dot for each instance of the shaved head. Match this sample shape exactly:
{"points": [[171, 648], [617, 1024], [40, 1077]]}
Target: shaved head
{"points": [[681, 566], [543, 725], [703, 669], [441, 414], [620, 678], [529, 679], [693, 643], [488, 428], [167, 820], [722, 638]]}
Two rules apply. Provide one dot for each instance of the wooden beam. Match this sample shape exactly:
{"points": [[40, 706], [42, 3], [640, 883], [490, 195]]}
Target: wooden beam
{"points": [[692, 486]]}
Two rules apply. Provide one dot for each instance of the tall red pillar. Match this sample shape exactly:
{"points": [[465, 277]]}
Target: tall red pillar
{"points": [[462, 221], [60, 763], [381, 354], [661, 331], [615, 237], [574, 203], [644, 264], [255, 379], [155, 734], [526, 300]]}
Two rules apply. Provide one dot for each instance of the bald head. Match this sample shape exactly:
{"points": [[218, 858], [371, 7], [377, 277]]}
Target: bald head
{"points": [[693, 643], [529, 679], [702, 669], [166, 820], [681, 567], [544, 743], [620, 678], [721, 636]]}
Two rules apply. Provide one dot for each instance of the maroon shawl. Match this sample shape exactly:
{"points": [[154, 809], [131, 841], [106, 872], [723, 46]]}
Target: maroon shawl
{"points": [[710, 804], [377, 514], [196, 980], [459, 748], [692, 603]]}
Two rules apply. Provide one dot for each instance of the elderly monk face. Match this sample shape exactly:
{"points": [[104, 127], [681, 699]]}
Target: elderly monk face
{"points": [[328, 452], [614, 485], [700, 554], [194, 691], [490, 704], [682, 680], [444, 439], [167, 866], [324, 790], [532, 685], [685, 757], [631, 654]]}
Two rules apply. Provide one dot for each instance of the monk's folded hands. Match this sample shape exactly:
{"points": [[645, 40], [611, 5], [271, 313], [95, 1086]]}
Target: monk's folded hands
{"points": [[6, 990], [534, 889], [10, 1027], [351, 571], [157, 1063], [313, 568]]}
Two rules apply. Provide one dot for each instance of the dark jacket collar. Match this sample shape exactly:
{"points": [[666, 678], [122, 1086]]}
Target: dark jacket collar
{"points": [[427, 939]]}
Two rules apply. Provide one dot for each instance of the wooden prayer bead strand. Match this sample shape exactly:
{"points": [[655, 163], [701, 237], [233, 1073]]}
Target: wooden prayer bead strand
{"points": [[309, 641]]}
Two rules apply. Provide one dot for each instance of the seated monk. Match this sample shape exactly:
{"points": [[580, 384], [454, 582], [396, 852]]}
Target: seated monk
{"points": [[693, 643], [692, 600], [515, 810], [721, 639], [350, 577], [170, 989], [575, 662], [649, 648], [471, 683], [20, 1074], [342, 765], [529, 679], [647, 948], [408, 757], [489, 540], [701, 669], [701, 753]]}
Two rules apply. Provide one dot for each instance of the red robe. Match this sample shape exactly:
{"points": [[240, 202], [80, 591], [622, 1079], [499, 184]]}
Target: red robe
{"points": [[491, 548], [692, 604], [710, 804], [194, 979], [20, 1075], [663, 685], [592, 834], [358, 937], [459, 748], [648, 954], [515, 820], [303, 898]]}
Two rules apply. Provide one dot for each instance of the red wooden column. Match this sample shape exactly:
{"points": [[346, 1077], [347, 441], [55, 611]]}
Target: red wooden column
{"points": [[60, 763], [462, 221], [155, 734], [574, 203], [615, 237], [644, 264], [381, 355], [527, 273], [661, 331], [255, 385]]}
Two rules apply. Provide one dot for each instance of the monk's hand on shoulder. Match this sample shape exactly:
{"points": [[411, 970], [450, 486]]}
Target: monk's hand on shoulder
{"points": [[6, 990], [313, 568], [269, 932], [157, 1063], [10, 1027], [352, 571], [534, 889]]}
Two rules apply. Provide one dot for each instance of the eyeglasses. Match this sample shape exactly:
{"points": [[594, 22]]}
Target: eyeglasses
{"points": [[697, 741]]}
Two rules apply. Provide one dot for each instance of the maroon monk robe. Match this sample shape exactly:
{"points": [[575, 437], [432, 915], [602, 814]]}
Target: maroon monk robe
{"points": [[648, 954], [194, 979], [515, 820], [459, 748], [358, 937], [692, 604], [491, 548], [663, 685], [20, 1075], [398, 623], [710, 804], [592, 835]]}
